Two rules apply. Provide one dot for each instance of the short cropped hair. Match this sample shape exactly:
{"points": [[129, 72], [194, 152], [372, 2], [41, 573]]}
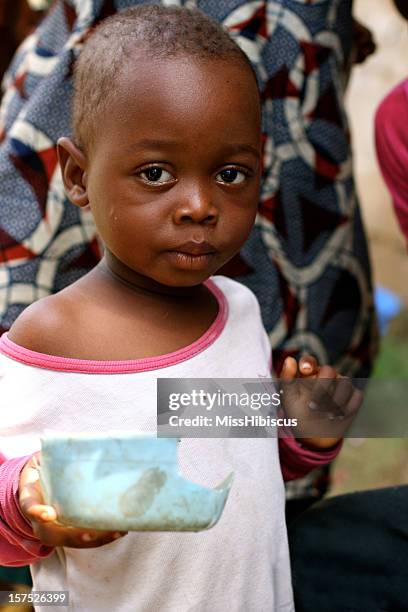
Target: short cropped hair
{"points": [[161, 31]]}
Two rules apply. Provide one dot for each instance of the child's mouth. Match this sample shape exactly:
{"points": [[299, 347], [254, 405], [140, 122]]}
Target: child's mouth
{"points": [[191, 261], [193, 255]]}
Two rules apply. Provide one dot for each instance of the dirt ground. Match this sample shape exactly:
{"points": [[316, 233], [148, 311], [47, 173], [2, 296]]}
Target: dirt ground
{"points": [[370, 463]]}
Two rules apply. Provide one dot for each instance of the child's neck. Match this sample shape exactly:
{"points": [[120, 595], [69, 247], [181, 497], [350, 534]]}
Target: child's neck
{"points": [[111, 314], [148, 319], [125, 276]]}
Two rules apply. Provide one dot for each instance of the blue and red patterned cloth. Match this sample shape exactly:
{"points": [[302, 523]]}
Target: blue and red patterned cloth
{"points": [[306, 259]]}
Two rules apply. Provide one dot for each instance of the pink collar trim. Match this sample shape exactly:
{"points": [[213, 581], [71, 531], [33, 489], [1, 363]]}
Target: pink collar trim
{"points": [[86, 366]]}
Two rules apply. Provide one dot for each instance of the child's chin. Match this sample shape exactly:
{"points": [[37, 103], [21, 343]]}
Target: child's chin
{"points": [[184, 278], [188, 280]]}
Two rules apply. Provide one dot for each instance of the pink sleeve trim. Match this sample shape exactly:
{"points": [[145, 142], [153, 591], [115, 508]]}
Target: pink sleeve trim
{"points": [[18, 544], [297, 461], [65, 364]]}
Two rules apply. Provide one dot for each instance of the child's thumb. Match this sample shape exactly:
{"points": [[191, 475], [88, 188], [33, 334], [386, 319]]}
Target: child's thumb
{"points": [[289, 369], [30, 494], [40, 513]]}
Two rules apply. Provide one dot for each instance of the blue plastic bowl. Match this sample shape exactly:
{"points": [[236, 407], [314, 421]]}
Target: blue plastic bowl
{"points": [[124, 482]]}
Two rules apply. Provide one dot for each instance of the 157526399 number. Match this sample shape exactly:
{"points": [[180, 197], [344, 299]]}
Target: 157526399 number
{"points": [[45, 598]]}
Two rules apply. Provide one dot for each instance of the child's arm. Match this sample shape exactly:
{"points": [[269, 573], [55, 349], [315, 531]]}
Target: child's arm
{"points": [[18, 544], [334, 394], [298, 457], [28, 528], [44, 519], [297, 461]]}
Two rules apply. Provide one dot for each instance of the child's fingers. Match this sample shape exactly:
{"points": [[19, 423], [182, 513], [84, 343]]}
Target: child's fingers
{"points": [[354, 403], [54, 534], [344, 409], [343, 391], [321, 398], [50, 533], [289, 369], [30, 494], [92, 539], [327, 372], [308, 366], [336, 395], [30, 473]]}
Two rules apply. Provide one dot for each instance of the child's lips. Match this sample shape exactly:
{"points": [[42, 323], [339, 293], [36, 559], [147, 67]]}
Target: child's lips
{"points": [[195, 248], [193, 255]]}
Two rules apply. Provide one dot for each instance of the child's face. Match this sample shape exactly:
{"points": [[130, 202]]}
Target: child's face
{"points": [[172, 176]]}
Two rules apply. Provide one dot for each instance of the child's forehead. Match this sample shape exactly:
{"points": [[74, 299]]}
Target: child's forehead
{"points": [[141, 62], [189, 77], [180, 99]]}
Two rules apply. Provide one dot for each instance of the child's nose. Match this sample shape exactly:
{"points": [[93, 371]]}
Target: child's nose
{"points": [[196, 206]]}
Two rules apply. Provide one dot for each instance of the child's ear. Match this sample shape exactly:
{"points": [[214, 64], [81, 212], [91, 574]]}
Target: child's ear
{"points": [[73, 164]]}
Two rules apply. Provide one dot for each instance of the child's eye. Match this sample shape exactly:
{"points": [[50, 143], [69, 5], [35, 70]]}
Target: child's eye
{"points": [[231, 176], [156, 174]]}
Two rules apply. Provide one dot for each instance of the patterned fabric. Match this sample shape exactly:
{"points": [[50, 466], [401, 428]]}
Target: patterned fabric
{"points": [[306, 259]]}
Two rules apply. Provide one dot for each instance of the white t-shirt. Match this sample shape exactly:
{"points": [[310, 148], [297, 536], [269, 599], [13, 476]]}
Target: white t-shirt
{"points": [[241, 564]]}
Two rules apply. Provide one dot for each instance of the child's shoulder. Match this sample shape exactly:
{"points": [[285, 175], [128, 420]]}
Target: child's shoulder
{"points": [[46, 325]]}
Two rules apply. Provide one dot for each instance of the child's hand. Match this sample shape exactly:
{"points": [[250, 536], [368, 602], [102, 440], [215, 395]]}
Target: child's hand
{"points": [[43, 518], [335, 405]]}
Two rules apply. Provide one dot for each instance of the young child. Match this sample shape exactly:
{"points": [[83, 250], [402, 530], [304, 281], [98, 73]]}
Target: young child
{"points": [[166, 153]]}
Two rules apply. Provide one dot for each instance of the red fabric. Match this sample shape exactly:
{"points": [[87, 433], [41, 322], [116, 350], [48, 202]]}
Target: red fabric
{"points": [[391, 139], [297, 461]]}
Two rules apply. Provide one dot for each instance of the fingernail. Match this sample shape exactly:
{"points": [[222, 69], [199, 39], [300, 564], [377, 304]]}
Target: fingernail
{"points": [[45, 515], [86, 537], [313, 406], [331, 416], [307, 366]]}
